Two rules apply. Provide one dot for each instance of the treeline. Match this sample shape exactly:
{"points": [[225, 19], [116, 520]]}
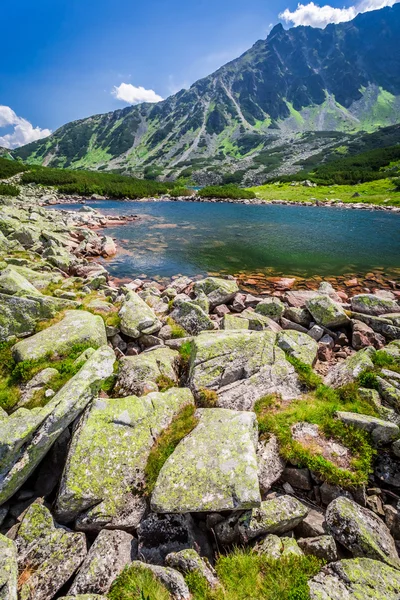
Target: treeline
{"points": [[7, 189], [86, 183], [367, 166], [232, 192], [8, 168]]}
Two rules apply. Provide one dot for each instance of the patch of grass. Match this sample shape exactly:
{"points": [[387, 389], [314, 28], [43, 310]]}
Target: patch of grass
{"points": [[180, 427], [176, 330], [366, 379], [319, 408], [383, 360], [6, 189], [185, 351], [305, 372], [135, 583], [207, 398]]}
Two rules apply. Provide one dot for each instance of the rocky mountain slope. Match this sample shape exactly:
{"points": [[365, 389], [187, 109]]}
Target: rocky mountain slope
{"points": [[299, 92]]}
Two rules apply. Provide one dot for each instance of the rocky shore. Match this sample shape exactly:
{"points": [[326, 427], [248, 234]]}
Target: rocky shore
{"points": [[148, 430]]}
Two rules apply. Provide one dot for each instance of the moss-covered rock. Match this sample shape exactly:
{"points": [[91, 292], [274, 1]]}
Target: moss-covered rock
{"points": [[214, 468], [77, 327], [31, 445], [218, 291], [137, 317], [191, 317], [347, 371], [297, 344], [188, 561], [369, 304], [356, 579], [138, 375], [48, 555], [12, 282], [8, 569], [361, 531], [382, 432], [241, 366], [327, 312], [271, 307], [107, 458]]}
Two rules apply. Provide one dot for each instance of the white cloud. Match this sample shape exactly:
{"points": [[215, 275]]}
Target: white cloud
{"points": [[319, 16], [134, 95], [23, 131]]}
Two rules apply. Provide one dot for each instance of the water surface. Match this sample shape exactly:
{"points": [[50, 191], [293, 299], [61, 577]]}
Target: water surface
{"points": [[193, 238]]}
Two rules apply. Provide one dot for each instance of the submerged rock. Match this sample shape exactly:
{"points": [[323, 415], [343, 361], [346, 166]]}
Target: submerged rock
{"points": [[361, 531], [214, 468], [107, 458], [28, 443], [241, 367], [139, 374], [48, 555], [356, 579], [77, 327]]}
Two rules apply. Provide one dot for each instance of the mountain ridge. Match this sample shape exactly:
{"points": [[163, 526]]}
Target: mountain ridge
{"points": [[252, 114]]}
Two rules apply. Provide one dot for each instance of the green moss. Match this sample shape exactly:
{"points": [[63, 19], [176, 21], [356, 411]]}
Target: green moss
{"points": [[176, 330], [137, 584], [368, 380], [305, 372], [383, 360], [207, 398], [185, 352], [164, 383], [180, 427], [319, 408]]}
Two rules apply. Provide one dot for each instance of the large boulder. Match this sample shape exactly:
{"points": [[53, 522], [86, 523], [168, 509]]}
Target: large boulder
{"points": [[12, 282], [382, 432], [369, 304], [20, 314], [188, 561], [299, 345], [348, 370], [8, 569], [48, 555], [138, 375], [137, 317], [191, 317], [218, 291], [356, 579], [110, 553], [214, 468], [241, 367], [326, 312], [27, 446], [271, 307], [361, 531], [77, 327], [100, 488]]}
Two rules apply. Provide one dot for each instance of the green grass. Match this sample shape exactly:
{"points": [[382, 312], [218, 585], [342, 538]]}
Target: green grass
{"points": [[305, 373], [382, 360], [207, 398], [180, 427], [8, 168], [243, 575], [375, 192], [319, 408], [176, 330], [7, 189], [137, 584], [165, 383]]}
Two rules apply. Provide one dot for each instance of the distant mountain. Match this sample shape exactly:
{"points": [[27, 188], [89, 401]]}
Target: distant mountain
{"points": [[297, 93]]}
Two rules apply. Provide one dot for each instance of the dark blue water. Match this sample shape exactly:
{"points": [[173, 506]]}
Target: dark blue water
{"points": [[197, 238]]}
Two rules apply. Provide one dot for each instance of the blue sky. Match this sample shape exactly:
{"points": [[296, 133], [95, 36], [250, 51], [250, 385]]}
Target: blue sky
{"points": [[62, 59]]}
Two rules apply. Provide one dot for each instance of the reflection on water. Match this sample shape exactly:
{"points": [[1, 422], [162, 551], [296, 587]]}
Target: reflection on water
{"points": [[196, 238]]}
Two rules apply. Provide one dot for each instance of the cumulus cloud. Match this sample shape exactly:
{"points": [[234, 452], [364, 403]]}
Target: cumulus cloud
{"points": [[134, 95], [320, 16], [23, 131]]}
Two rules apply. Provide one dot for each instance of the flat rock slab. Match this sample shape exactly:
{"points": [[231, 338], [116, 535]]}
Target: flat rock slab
{"points": [[347, 371], [8, 569], [214, 468], [138, 375], [110, 553], [369, 304], [48, 555], [241, 366], [361, 531], [77, 327], [108, 455], [44, 426], [382, 432], [356, 579], [137, 317]]}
